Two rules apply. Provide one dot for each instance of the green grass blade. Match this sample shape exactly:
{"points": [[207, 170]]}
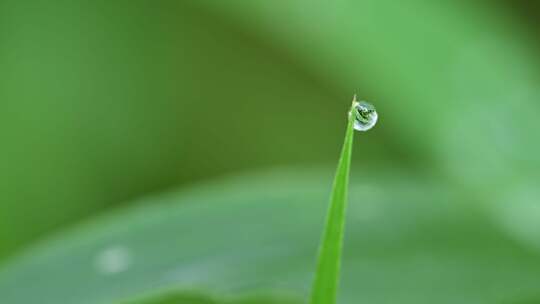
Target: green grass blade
{"points": [[327, 275]]}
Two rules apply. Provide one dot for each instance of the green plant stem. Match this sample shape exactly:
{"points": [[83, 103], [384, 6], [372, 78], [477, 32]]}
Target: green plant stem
{"points": [[326, 280]]}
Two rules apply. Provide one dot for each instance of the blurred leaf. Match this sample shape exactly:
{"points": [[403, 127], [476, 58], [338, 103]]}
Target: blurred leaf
{"points": [[183, 297], [409, 238], [266, 300], [101, 102], [174, 298]]}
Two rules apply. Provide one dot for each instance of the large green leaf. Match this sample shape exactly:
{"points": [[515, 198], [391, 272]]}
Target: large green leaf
{"points": [[409, 240], [177, 297], [186, 297]]}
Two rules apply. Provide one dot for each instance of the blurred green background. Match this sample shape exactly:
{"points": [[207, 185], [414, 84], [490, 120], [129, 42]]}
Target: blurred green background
{"points": [[104, 102]]}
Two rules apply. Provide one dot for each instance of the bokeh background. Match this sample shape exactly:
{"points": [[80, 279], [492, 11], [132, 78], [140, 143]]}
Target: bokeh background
{"points": [[104, 102]]}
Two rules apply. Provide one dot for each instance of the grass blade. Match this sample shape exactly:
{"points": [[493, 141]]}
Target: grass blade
{"points": [[326, 281]]}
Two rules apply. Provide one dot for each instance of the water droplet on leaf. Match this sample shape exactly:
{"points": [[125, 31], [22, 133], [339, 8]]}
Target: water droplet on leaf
{"points": [[112, 260], [365, 116]]}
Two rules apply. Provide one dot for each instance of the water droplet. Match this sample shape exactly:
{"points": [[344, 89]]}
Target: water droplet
{"points": [[365, 115], [112, 260]]}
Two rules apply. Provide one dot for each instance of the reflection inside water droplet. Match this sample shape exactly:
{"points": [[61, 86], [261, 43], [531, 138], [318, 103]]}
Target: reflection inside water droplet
{"points": [[365, 116]]}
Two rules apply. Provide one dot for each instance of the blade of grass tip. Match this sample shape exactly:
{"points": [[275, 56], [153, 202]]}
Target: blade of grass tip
{"points": [[325, 285]]}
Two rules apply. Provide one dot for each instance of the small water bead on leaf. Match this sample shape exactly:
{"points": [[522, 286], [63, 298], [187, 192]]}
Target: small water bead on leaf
{"points": [[365, 115]]}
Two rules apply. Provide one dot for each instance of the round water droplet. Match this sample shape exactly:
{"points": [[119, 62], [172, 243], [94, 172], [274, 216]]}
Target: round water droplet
{"points": [[113, 260], [365, 116]]}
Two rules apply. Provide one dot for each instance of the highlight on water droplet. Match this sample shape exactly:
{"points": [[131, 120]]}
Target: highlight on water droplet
{"points": [[365, 115]]}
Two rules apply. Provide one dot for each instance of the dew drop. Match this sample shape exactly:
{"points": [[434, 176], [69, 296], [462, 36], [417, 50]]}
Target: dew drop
{"points": [[365, 115], [112, 260]]}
